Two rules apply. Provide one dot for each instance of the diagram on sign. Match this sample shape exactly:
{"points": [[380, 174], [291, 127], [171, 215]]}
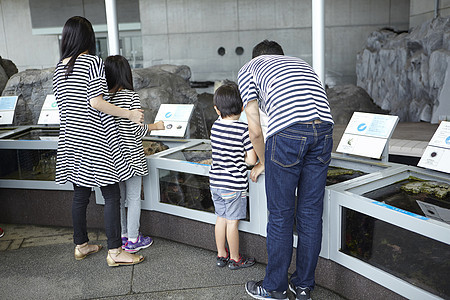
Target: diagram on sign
{"points": [[176, 119], [7, 108], [437, 154], [49, 112]]}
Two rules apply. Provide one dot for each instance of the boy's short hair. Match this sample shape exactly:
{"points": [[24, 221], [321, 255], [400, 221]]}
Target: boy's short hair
{"points": [[228, 100], [267, 47]]}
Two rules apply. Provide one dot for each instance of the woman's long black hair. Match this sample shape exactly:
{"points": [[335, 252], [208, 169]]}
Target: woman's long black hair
{"points": [[118, 73], [77, 37]]}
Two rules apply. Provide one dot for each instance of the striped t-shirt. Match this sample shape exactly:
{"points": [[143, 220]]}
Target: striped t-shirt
{"points": [[89, 149], [229, 143], [287, 90], [131, 133]]}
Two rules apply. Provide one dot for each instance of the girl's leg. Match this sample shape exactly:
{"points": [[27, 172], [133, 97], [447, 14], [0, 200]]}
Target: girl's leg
{"points": [[123, 211], [133, 194], [233, 238], [220, 232]]}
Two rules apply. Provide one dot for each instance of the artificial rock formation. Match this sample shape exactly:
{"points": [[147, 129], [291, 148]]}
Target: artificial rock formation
{"points": [[7, 69], [155, 85], [408, 74], [346, 99]]}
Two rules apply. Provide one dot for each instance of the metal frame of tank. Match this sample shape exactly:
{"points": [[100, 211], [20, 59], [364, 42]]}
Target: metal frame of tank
{"points": [[159, 162], [349, 195]]}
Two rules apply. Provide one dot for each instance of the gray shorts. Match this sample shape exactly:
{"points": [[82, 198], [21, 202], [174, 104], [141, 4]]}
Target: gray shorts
{"points": [[231, 205]]}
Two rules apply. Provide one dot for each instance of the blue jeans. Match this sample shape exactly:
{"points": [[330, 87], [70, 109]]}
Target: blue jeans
{"points": [[296, 158]]}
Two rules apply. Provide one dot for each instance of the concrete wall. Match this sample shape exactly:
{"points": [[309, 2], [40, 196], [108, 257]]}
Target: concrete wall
{"points": [[424, 10], [18, 44], [191, 32]]}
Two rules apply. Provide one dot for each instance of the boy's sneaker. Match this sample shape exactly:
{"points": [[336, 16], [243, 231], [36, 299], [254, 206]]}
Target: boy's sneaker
{"points": [[256, 290], [2, 233], [300, 293], [142, 243], [124, 242], [243, 262], [222, 261]]}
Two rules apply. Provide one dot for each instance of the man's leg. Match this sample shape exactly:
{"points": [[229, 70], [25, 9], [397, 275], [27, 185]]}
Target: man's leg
{"points": [[284, 153], [311, 189]]}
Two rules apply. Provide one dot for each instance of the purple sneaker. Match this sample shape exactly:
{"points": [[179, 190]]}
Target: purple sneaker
{"points": [[142, 243], [124, 242]]}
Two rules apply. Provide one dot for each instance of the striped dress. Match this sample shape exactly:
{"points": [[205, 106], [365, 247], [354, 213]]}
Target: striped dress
{"points": [[229, 142], [89, 150], [131, 133], [287, 90]]}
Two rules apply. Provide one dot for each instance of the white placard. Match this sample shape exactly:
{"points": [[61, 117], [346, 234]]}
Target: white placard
{"points": [[437, 154], [367, 134], [176, 119], [49, 112], [7, 108]]}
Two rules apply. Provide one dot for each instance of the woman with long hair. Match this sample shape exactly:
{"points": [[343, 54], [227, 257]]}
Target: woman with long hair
{"points": [[90, 153]]}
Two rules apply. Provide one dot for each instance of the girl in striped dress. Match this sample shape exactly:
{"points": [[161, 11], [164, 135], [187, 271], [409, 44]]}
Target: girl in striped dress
{"points": [[120, 85], [89, 149]]}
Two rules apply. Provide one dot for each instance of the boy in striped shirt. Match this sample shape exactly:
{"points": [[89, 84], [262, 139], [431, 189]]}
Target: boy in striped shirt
{"points": [[231, 150]]}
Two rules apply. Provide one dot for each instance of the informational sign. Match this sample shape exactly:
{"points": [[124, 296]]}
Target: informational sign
{"points": [[49, 112], [434, 211], [176, 119], [437, 154], [7, 108], [367, 134]]}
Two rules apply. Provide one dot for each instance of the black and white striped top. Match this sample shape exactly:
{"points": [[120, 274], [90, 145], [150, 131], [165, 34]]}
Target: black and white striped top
{"points": [[287, 90], [229, 142], [130, 132], [89, 150]]}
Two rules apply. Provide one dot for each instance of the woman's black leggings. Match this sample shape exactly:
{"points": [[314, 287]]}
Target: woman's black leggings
{"points": [[111, 194]]}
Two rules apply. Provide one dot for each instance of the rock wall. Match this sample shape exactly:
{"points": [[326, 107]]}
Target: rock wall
{"points": [[346, 99], [405, 73], [7, 69], [155, 85]]}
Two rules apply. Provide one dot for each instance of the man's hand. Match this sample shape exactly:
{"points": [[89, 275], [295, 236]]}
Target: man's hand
{"points": [[256, 171]]}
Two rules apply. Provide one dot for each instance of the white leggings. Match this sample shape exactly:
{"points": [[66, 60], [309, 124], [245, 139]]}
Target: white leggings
{"points": [[130, 195]]}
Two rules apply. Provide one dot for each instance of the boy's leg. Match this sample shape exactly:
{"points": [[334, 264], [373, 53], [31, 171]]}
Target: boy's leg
{"points": [[220, 233], [133, 192], [232, 227]]}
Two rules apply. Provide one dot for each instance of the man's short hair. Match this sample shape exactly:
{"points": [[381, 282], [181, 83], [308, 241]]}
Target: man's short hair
{"points": [[267, 47]]}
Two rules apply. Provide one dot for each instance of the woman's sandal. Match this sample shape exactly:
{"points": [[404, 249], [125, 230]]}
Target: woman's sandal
{"points": [[113, 263], [80, 255]]}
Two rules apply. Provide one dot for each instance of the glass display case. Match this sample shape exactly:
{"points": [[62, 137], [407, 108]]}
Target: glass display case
{"points": [[394, 229], [4, 130], [29, 158], [180, 177], [345, 169]]}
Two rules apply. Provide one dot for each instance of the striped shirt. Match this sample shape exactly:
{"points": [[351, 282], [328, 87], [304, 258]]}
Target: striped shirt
{"points": [[89, 150], [130, 132], [287, 90], [229, 142]]}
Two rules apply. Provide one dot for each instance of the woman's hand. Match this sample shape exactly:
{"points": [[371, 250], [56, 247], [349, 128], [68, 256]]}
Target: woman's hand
{"points": [[136, 116], [256, 171]]}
